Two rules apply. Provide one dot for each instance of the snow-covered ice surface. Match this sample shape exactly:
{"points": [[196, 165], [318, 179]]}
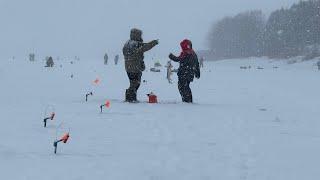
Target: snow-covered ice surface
{"points": [[245, 124]]}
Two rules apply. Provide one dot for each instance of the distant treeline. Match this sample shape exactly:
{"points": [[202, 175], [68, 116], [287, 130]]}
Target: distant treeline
{"points": [[285, 33]]}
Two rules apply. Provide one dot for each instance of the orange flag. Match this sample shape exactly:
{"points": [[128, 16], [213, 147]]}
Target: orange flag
{"points": [[65, 138], [108, 104], [97, 81]]}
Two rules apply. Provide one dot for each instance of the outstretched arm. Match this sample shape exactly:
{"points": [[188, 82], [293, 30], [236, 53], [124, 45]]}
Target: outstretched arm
{"points": [[174, 58], [147, 46]]}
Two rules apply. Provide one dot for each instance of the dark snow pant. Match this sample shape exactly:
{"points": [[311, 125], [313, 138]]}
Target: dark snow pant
{"points": [[135, 81], [185, 91]]}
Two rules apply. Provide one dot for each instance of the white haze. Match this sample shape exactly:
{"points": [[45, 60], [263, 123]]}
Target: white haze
{"points": [[89, 28]]}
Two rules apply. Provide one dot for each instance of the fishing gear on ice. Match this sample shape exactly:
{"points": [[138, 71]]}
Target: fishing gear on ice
{"points": [[48, 118], [88, 94], [63, 139], [107, 104], [49, 114]]}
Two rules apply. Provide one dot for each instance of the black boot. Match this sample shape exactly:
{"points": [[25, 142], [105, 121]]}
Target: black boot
{"points": [[131, 96], [128, 96]]}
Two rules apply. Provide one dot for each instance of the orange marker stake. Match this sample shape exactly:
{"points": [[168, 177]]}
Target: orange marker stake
{"points": [[97, 81], [64, 139], [47, 118], [107, 104]]}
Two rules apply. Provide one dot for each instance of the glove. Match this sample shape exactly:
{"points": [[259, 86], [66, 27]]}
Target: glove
{"points": [[171, 56], [143, 66], [198, 75], [155, 42]]}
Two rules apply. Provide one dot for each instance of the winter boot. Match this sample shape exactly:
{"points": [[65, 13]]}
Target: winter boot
{"points": [[131, 96]]}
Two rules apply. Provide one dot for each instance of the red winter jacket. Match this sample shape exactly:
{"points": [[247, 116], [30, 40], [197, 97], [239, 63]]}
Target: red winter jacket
{"points": [[188, 60]]}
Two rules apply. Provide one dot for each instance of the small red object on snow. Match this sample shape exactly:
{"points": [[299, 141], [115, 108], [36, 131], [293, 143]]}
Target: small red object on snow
{"points": [[65, 138], [152, 98], [52, 116], [97, 81], [108, 104]]}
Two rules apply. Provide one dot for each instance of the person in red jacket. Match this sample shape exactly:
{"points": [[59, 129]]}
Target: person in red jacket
{"points": [[188, 69]]}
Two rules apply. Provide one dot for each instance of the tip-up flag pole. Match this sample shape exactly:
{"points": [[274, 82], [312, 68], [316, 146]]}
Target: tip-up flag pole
{"points": [[63, 139], [88, 94], [107, 104], [45, 120]]}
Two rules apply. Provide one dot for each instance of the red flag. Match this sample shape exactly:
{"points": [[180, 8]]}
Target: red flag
{"points": [[108, 104], [97, 81], [65, 138]]}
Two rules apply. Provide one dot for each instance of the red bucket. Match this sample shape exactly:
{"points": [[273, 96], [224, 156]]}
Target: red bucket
{"points": [[153, 98]]}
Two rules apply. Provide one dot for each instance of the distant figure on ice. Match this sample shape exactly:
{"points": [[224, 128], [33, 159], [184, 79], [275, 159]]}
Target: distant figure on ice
{"points": [[189, 67], [32, 57], [77, 58], [318, 64], [133, 52], [49, 62], [169, 71], [116, 59], [201, 62], [106, 59]]}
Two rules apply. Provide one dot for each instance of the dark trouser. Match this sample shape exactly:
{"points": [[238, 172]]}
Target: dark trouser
{"points": [[185, 91], [135, 81]]}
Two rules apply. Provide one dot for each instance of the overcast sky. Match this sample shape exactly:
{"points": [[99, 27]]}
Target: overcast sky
{"points": [[89, 28]]}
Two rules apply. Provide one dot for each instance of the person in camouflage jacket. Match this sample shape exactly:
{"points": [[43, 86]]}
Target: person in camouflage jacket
{"points": [[133, 52]]}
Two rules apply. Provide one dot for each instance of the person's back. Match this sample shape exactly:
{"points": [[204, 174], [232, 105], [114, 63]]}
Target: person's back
{"points": [[133, 57]]}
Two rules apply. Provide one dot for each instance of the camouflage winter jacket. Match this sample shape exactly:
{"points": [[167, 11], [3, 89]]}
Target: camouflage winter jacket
{"points": [[133, 52]]}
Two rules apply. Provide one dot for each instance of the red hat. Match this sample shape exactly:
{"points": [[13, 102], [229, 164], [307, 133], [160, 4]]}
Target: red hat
{"points": [[186, 45]]}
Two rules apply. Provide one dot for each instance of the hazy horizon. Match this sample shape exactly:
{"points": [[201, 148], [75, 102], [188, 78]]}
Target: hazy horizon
{"points": [[91, 28]]}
